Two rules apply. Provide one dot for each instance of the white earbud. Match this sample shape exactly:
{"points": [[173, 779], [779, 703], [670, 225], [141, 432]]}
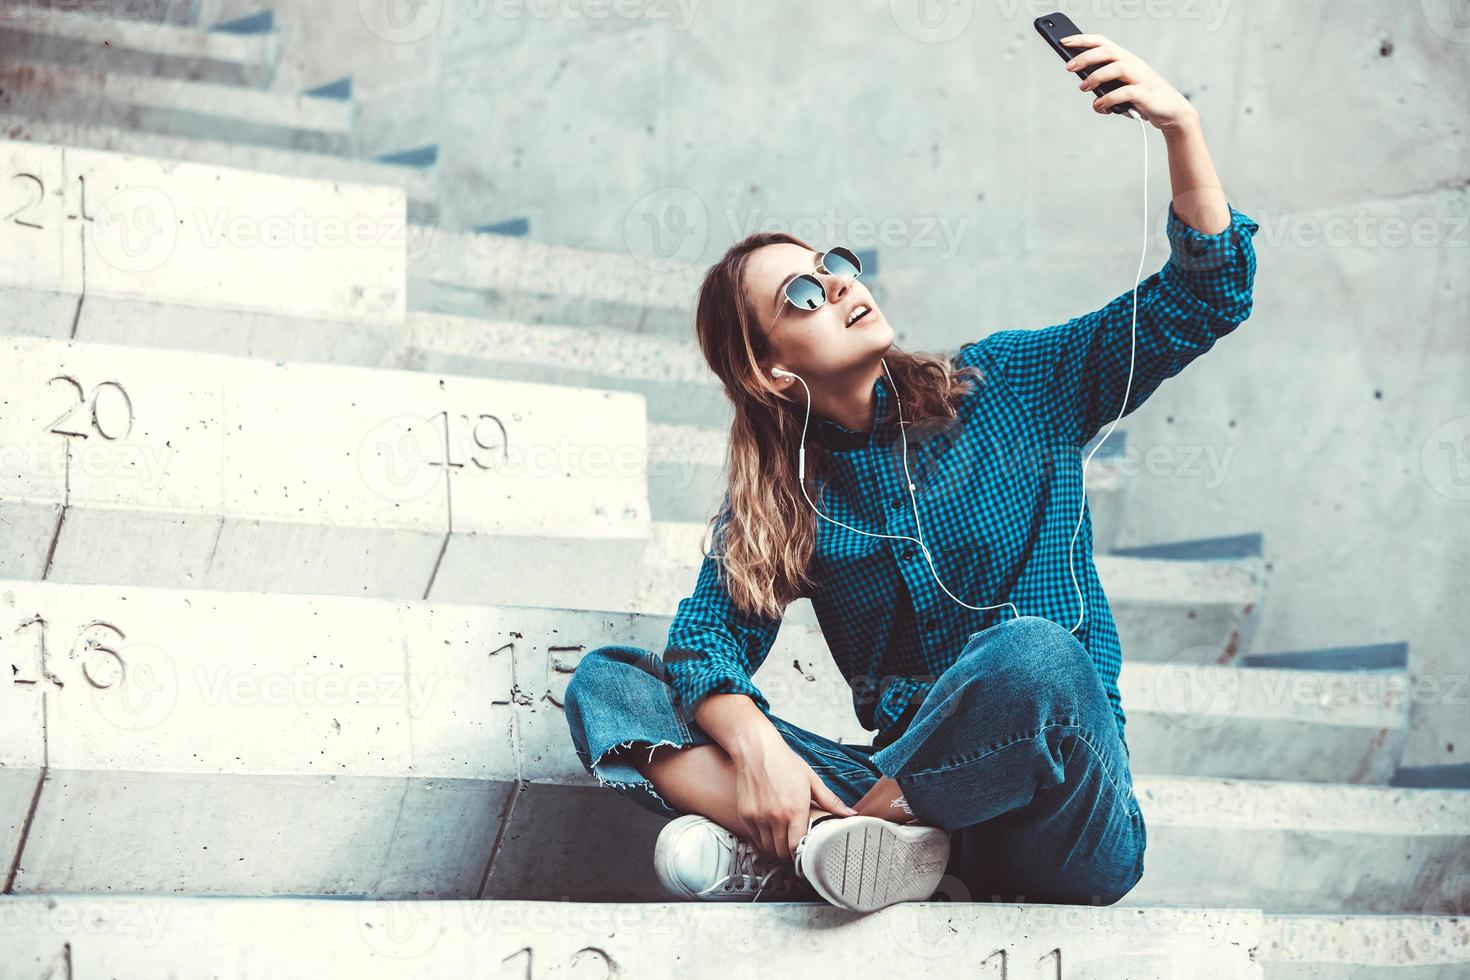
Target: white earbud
{"points": [[778, 373]]}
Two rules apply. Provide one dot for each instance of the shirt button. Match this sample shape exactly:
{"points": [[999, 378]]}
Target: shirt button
{"points": [[932, 623], [908, 553]]}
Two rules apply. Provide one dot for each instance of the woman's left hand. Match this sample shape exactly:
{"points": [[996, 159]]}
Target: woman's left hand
{"points": [[1155, 99]]}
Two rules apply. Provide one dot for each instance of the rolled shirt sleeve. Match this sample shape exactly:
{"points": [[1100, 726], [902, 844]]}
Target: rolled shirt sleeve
{"points": [[1074, 375]]}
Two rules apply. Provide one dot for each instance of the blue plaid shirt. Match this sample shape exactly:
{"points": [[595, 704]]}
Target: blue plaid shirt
{"points": [[999, 491]]}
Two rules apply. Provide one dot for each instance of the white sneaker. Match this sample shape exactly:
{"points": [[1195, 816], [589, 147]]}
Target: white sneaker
{"points": [[868, 863], [699, 860]]}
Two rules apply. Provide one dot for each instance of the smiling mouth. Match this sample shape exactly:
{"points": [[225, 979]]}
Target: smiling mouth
{"points": [[862, 315]]}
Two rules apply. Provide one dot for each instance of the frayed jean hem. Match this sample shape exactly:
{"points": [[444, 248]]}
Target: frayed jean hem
{"points": [[621, 774]]}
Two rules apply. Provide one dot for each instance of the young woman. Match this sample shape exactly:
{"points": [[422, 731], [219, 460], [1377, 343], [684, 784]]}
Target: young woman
{"points": [[932, 510]]}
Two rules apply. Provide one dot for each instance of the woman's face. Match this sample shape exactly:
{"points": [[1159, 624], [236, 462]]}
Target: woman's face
{"points": [[812, 343]]}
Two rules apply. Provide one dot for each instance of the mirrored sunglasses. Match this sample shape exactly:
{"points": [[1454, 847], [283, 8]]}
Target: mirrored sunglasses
{"points": [[806, 291]]}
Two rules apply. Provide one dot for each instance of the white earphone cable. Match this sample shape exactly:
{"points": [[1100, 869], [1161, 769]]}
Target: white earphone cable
{"points": [[908, 479]]}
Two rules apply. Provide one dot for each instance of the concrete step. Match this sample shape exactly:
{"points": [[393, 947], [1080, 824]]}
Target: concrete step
{"points": [[88, 937], [1281, 846], [182, 469], [1303, 847], [1175, 611], [407, 726], [173, 107], [1259, 723], [145, 12], [686, 471], [670, 374], [156, 50], [505, 277], [1182, 610], [419, 184], [1366, 947], [96, 224]]}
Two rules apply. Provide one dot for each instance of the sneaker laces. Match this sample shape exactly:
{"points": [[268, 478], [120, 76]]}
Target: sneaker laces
{"points": [[747, 857]]}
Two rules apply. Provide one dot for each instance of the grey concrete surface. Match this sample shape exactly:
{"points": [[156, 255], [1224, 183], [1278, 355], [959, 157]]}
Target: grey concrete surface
{"points": [[176, 107], [122, 938], [1366, 947], [409, 727], [58, 35], [419, 184], [87, 222], [178, 468]]}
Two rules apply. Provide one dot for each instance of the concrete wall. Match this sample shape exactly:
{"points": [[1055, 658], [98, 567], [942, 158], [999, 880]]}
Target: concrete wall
{"points": [[1336, 422]]}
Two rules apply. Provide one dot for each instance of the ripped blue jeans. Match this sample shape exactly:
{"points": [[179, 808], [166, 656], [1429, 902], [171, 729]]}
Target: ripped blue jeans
{"points": [[1015, 751]]}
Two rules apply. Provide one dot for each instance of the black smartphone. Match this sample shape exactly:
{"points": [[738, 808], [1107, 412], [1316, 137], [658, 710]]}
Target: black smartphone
{"points": [[1055, 26]]}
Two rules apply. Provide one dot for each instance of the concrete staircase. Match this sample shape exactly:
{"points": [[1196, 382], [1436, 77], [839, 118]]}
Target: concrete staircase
{"points": [[309, 511], [153, 80]]}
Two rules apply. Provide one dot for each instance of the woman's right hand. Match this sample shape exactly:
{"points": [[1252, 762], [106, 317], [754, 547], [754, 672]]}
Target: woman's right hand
{"points": [[775, 791]]}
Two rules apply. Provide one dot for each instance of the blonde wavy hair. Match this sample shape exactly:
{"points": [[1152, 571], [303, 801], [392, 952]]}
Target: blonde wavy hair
{"points": [[768, 532]]}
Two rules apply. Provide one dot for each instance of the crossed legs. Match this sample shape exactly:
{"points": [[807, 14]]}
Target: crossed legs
{"points": [[701, 779]]}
